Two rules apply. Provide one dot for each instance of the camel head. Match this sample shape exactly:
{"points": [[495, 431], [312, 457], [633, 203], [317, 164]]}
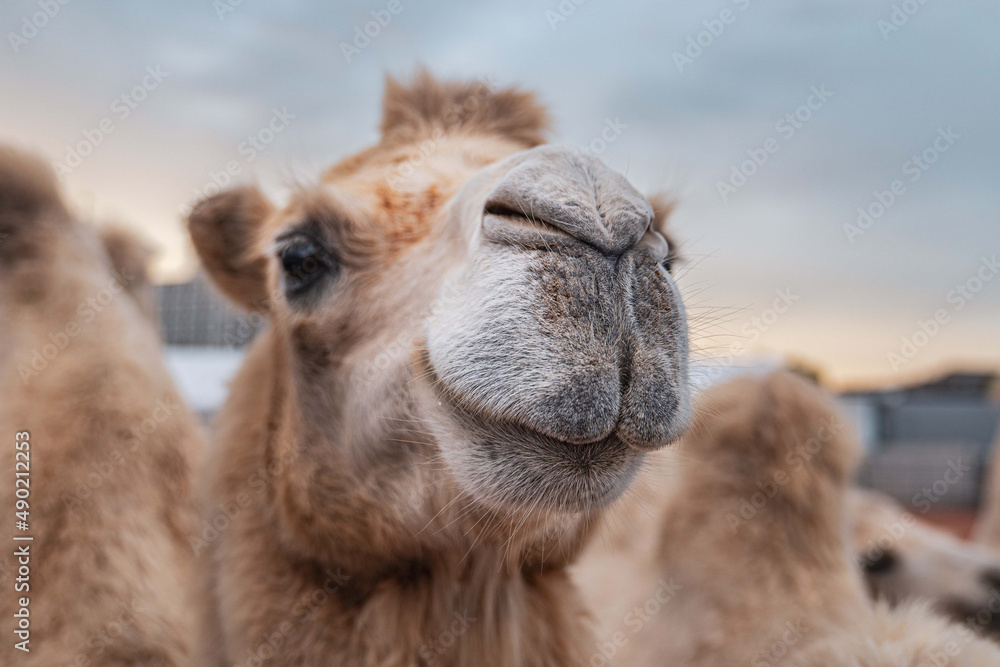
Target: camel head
{"points": [[904, 559], [63, 281], [465, 308]]}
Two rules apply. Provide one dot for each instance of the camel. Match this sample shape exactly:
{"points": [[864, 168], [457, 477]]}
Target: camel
{"points": [[104, 448], [903, 559], [748, 561], [474, 342]]}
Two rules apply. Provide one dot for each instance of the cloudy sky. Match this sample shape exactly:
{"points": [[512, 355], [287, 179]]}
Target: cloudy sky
{"points": [[771, 123]]}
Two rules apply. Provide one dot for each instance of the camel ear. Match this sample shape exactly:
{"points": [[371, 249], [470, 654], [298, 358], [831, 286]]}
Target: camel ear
{"points": [[224, 229], [129, 256]]}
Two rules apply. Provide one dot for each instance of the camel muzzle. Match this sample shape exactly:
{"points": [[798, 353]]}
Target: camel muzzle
{"points": [[569, 324]]}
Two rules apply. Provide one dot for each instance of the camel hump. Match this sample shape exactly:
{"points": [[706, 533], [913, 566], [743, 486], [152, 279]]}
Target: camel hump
{"points": [[28, 186], [781, 423]]}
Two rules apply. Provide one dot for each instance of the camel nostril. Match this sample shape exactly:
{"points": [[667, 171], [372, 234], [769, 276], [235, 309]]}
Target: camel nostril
{"points": [[518, 216], [881, 564], [503, 210], [571, 194]]}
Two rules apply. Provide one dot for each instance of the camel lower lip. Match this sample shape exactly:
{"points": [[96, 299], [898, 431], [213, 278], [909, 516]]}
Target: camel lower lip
{"points": [[495, 421], [512, 464], [455, 403], [515, 465]]}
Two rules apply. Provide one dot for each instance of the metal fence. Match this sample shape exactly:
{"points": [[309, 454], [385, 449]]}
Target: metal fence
{"points": [[194, 313]]}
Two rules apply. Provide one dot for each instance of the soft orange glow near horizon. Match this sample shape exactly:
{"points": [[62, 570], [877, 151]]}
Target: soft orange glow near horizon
{"points": [[836, 186]]}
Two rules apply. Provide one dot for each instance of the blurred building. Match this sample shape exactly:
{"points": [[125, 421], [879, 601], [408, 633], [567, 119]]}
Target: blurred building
{"points": [[929, 444]]}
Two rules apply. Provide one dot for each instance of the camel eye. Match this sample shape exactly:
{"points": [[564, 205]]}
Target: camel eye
{"points": [[303, 262], [668, 262], [880, 565]]}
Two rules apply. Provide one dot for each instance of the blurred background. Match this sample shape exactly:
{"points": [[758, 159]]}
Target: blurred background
{"points": [[834, 167]]}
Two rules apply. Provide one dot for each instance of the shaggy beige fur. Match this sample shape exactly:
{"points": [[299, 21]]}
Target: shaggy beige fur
{"points": [[111, 446], [752, 564]]}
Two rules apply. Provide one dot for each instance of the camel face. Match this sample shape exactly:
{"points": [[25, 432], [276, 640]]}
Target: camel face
{"points": [[903, 560], [473, 343], [556, 353], [510, 303]]}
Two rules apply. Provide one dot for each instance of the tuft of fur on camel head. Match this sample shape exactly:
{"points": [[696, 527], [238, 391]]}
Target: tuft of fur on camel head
{"points": [[414, 111], [110, 447], [474, 343], [754, 563]]}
